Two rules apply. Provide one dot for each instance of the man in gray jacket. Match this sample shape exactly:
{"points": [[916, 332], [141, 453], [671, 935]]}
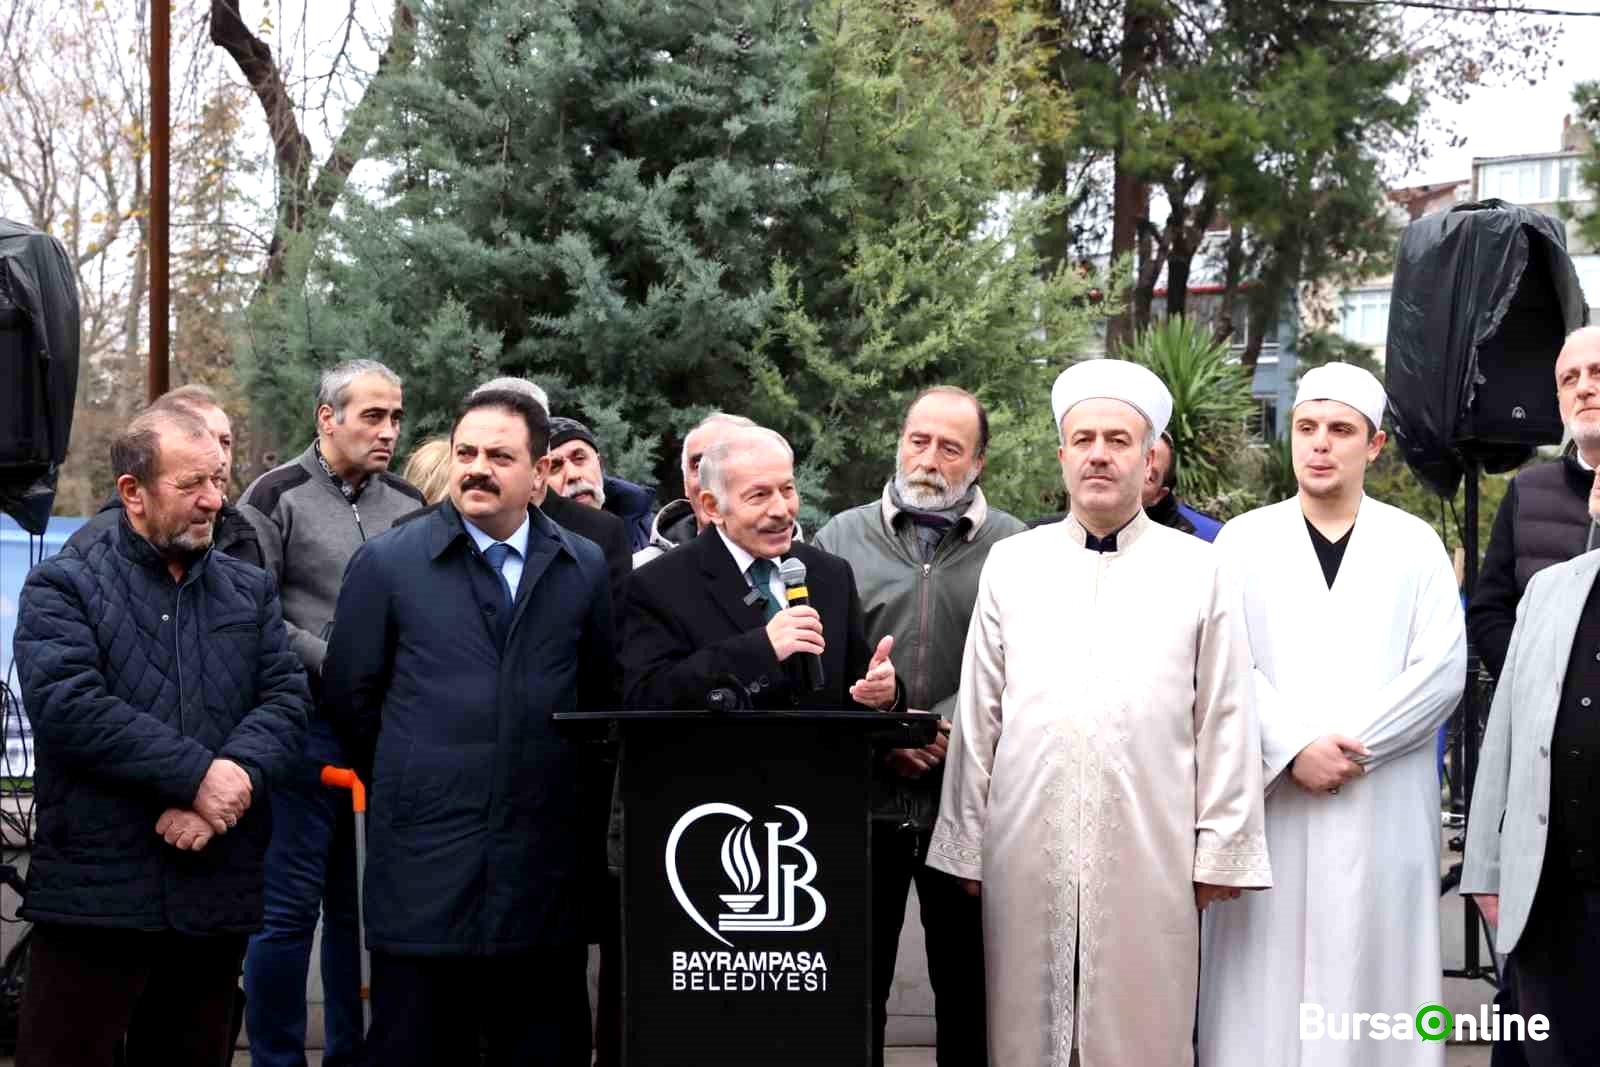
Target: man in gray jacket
{"points": [[311, 515], [1533, 840], [917, 553]]}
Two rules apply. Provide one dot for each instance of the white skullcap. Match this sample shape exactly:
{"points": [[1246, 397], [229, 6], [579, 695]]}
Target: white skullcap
{"points": [[1113, 379], [1346, 383]]}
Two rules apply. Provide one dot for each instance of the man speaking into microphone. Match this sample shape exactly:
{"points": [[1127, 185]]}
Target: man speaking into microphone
{"points": [[717, 608]]}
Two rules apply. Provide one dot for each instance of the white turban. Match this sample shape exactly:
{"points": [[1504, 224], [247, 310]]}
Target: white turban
{"points": [[1113, 379], [1346, 383]]}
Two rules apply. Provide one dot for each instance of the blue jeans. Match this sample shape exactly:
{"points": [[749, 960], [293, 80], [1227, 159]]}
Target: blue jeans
{"points": [[310, 868]]}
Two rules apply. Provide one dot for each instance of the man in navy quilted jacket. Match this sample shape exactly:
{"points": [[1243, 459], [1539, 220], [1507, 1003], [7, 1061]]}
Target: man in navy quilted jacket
{"points": [[164, 700]]}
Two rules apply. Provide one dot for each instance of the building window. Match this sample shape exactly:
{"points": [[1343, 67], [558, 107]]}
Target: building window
{"points": [[1262, 425], [1365, 316], [1532, 181]]}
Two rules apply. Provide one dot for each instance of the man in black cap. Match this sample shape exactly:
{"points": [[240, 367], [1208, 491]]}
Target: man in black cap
{"points": [[577, 472]]}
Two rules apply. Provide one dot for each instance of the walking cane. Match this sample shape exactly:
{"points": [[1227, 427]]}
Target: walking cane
{"points": [[342, 778]]}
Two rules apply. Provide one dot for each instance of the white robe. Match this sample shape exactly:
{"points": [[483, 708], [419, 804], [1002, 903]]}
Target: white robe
{"points": [[1104, 758], [1352, 924]]}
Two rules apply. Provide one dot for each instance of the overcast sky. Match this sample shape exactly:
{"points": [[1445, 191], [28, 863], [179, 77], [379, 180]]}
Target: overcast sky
{"points": [[1509, 120]]}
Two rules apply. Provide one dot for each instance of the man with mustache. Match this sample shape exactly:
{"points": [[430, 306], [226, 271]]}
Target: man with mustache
{"points": [[1160, 496], [577, 472], [917, 552], [234, 534], [680, 521], [311, 515], [714, 609], [166, 706], [461, 634], [1103, 782], [1359, 653]]}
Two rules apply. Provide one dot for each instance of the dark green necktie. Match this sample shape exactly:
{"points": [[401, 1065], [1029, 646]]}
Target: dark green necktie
{"points": [[760, 574]]}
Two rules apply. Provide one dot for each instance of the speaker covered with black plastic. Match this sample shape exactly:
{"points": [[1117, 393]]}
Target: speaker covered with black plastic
{"points": [[38, 369], [1484, 295]]}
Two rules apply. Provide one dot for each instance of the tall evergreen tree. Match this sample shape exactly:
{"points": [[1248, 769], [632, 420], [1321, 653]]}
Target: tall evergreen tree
{"points": [[794, 211]]}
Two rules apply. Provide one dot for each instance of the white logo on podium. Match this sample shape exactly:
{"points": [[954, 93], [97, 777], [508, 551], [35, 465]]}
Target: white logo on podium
{"points": [[758, 881]]}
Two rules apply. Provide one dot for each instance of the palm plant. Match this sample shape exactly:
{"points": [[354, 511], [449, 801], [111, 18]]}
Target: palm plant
{"points": [[1211, 403]]}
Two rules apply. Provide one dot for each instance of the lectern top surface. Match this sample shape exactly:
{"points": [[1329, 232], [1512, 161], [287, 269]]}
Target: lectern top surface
{"points": [[625, 714]]}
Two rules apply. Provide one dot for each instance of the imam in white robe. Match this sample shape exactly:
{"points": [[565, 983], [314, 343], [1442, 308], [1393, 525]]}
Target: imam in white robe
{"points": [[1352, 923], [1104, 758]]}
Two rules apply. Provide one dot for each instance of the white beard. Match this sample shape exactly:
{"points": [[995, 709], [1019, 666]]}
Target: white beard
{"points": [[934, 494], [580, 486]]}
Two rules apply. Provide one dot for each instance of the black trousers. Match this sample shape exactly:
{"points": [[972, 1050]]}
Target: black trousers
{"points": [[608, 1006], [170, 994], [1558, 972], [523, 1010], [952, 926]]}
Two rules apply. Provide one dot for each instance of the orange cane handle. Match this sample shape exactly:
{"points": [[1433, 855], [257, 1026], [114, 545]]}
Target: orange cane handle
{"points": [[344, 778]]}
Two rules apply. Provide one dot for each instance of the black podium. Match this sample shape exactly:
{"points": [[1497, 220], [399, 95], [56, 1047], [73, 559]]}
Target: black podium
{"points": [[746, 888]]}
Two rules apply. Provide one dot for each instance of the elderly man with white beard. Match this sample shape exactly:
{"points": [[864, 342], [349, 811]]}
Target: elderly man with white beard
{"points": [[917, 553]]}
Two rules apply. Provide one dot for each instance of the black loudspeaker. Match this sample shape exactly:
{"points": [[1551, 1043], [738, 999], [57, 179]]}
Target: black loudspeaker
{"points": [[1484, 295], [38, 369], [1514, 399]]}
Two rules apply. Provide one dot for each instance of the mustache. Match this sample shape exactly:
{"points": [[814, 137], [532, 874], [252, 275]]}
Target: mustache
{"points": [[479, 481]]}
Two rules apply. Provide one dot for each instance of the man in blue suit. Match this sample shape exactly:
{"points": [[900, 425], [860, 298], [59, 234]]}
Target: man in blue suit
{"points": [[458, 636]]}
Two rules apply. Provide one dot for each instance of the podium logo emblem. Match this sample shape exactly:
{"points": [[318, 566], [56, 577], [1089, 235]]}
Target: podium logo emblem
{"points": [[771, 884]]}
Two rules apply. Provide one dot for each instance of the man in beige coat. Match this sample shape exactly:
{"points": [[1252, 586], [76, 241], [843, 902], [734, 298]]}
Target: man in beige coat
{"points": [[1103, 782]]}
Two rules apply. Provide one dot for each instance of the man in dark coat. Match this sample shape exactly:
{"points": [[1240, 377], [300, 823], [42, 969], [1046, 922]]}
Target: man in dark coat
{"points": [[713, 609], [577, 472], [601, 527], [458, 636], [234, 535], [164, 702]]}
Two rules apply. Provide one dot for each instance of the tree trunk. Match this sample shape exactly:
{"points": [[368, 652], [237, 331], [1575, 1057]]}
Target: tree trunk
{"points": [[304, 205], [1129, 196], [1230, 283], [1180, 257], [130, 389]]}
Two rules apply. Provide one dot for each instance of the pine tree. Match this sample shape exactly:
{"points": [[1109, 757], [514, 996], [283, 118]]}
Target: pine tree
{"points": [[797, 212]]}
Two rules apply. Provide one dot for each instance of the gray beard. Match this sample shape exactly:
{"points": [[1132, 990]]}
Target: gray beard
{"points": [[939, 497], [185, 545], [599, 491], [1586, 441]]}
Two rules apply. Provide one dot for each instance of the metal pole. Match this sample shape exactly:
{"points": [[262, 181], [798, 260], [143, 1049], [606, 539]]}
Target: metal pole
{"points": [[1469, 709], [160, 175]]}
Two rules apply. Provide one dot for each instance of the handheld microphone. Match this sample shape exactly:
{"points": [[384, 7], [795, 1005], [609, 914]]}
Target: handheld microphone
{"points": [[793, 573]]}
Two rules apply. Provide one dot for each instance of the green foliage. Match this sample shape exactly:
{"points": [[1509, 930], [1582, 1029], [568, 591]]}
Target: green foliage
{"points": [[1587, 98], [1210, 402], [1321, 347], [1274, 116], [801, 213]]}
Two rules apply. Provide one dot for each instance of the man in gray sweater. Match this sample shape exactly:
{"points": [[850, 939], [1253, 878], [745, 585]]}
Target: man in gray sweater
{"points": [[311, 515]]}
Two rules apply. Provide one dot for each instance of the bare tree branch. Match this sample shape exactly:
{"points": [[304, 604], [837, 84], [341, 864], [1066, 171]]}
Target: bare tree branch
{"points": [[303, 204]]}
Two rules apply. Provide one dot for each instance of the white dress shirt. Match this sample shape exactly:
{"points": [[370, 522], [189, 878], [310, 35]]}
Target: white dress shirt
{"points": [[512, 569]]}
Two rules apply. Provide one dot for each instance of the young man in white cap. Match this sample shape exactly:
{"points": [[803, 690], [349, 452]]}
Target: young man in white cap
{"points": [[1359, 654], [1103, 781]]}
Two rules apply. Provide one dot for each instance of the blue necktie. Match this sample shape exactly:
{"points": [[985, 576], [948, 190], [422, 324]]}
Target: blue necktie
{"points": [[497, 554]]}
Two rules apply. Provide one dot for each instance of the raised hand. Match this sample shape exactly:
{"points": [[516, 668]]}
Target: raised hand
{"points": [[876, 689]]}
